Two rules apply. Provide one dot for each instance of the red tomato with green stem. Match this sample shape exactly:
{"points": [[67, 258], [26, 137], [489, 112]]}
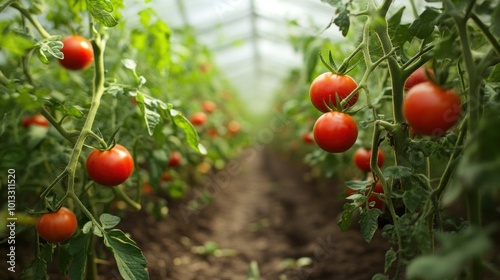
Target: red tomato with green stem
{"points": [[78, 53], [198, 118], [420, 75], [362, 158], [327, 85], [57, 226], [111, 167], [37, 120], [175, 159], [335, 132], [430, 109]]}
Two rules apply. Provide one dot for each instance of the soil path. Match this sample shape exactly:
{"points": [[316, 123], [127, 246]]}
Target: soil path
{"points": [[266, 212]]}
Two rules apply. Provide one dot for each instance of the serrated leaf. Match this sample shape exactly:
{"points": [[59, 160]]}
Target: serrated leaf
{"points": [[415, 197], [192, 137], [368, 221], [109, 221], [397, 172], [78, 248], [342, 20], [423, 26], [148, 109], [346, 218], [357, 185], [101, 11], [390, 258], [129, 258], [51, 46]]}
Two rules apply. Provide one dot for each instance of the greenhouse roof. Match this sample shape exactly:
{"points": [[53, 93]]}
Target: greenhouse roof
{"points": [[249, 38]]}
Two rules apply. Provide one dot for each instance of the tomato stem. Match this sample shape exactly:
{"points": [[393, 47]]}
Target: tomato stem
{"points": [[121, 194], [18, 6]]}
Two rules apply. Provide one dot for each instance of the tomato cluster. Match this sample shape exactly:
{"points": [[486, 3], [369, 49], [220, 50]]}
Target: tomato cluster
{"points": [[334, 131]]}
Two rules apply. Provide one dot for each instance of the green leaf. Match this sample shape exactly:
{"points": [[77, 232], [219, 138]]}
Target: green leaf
{"points": [[149, 109], [36, 271], [415, 198], [191, 135], [449, 260], [14, 43], [390, 258], [368, 221], [346, 218], [101, 11], [397, 172], [129, 258], [496, 23], [51, 46], [109, 221], [78, 248], [334, 3], [342, 19], [357, 185], [379, 276], [423, 26]]}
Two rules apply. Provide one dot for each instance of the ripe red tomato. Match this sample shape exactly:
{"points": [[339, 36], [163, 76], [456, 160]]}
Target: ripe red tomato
{"points": [[212, 132], [233, 127], [57, 226], [430, 109], [307, 137], [362, 159], [208, 106], [377, 189], [175, 159], [335, 132], [38, 120], [198, 118], [111, 167], [78, 53], [325, 86], [417, 77]]}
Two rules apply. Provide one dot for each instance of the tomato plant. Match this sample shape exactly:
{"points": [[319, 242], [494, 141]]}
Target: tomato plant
{"points": [[37, 120], [328, 86], [57, 226], [335, 132], [77, 51], [430, 109], [110, 167], [362, 157]]}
